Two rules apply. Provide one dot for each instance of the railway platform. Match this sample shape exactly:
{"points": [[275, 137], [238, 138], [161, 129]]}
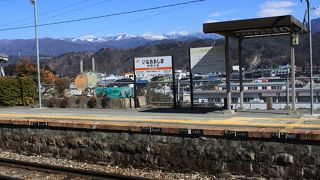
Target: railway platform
{"points": [[199, 122]]}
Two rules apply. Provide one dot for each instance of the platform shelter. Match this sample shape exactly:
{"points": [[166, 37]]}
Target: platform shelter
{"points": [[256, 28]]}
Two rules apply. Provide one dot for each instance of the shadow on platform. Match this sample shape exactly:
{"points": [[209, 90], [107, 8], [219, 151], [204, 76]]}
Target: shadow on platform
{"points": [[213, 110], [249, 111], [183, 110]]}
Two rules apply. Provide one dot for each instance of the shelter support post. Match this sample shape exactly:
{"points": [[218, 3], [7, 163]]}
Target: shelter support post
{"points": [[174, 89], [228, 72], [240, 40], [293, 78]]}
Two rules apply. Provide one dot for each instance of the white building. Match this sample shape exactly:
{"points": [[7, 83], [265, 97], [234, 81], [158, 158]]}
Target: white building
{"points": [[74, 90]]}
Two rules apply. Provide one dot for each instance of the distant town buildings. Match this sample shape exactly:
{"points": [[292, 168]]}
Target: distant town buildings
{"points": [[209, 89]]}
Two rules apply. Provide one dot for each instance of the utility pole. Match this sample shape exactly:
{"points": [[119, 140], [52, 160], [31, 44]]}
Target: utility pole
{"points": [[310, 56], [34, 2]]}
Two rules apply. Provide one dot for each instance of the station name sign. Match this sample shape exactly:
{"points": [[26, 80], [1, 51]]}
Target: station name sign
{"points": [[160, 65]]}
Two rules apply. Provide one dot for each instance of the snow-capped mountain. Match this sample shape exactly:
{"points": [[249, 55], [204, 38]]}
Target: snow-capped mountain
{"points": [[146, 36], [91, 38]]}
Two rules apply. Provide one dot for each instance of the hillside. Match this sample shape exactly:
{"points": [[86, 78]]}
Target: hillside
{"points": [[265, 52], [57, 47], [111, 60], [51, 47]]}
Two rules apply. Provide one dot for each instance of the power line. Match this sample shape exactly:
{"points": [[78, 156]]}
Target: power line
{"points": [[47, 12], [104, 16], [136, 20], [71, 11], [65, 7]]}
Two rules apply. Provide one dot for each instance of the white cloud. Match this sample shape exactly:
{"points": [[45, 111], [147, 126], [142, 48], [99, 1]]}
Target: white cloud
{"points": [[277, 4], [274, 12], [218, 14], [212, 20], [316, 12], [276, 8]]}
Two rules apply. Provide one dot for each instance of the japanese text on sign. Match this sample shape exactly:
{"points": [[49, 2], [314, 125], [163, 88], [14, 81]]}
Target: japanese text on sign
{"points": [[153, 65]]}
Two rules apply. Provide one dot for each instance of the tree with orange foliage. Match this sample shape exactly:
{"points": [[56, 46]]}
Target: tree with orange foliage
{"points": [[47, 76], [25, 68]]}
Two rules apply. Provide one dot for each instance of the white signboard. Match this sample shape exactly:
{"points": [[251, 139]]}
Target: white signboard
{"points": [[153, 66], [207, 59], [92, 79]]}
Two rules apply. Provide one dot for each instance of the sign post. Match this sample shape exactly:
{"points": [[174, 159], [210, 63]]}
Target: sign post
{"points": [[134, 85], [191, 80]]}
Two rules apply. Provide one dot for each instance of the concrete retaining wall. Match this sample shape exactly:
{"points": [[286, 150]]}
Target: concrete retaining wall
{"points": [[116, 103], [210, 154]]}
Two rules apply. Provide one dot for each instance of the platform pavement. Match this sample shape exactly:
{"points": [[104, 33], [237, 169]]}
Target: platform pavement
{"points": [[203, 117]]}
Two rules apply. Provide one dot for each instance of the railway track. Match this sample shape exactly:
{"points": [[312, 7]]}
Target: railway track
{"points": [[95, 175], [8, 177]]}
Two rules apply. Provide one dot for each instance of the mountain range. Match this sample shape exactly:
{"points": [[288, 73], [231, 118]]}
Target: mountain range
{"points": [[56, 47]]}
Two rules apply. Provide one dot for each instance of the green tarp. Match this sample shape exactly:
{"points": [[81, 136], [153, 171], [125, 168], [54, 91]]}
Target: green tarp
{"points": [[115, 92]]}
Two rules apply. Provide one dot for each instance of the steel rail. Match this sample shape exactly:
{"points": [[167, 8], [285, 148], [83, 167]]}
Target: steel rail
{"points": [[3, 177], [97, 175]]}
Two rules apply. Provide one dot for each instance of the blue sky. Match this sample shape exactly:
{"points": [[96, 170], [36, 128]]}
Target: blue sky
{"points": [[182, 19]]}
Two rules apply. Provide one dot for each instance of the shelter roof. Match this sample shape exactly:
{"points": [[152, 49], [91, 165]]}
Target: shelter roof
{"points": [[258, 27]]}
